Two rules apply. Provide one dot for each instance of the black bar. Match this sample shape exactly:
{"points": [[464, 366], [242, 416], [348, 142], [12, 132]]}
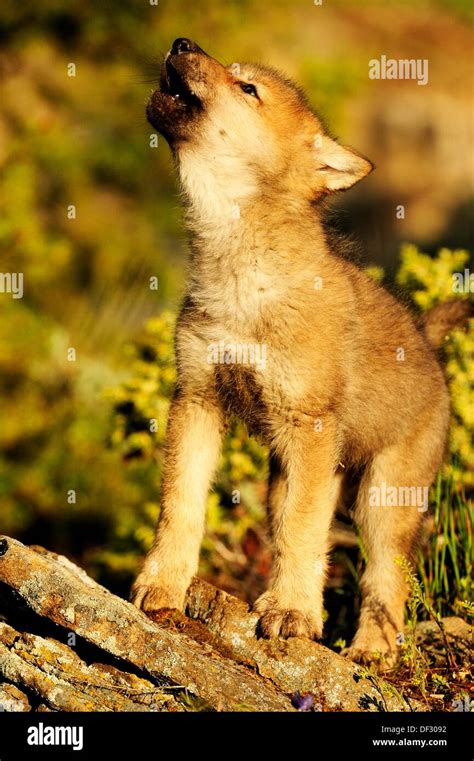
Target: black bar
{"points": [[311, 735]]}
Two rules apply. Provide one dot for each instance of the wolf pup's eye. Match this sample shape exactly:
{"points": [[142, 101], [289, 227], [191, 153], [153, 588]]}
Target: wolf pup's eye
{"points": [[249, 89]]}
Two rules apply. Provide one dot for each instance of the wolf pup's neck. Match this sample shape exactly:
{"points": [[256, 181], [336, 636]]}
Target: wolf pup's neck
{"points": [[229, 212], [214, 186]]}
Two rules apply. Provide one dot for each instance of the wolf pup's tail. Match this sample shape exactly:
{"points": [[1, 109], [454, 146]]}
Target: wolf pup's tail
{"points": [[441, 319]]}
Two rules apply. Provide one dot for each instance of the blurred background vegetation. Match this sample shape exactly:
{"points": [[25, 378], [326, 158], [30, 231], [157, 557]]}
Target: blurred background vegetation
{"points": [[79, 463]]}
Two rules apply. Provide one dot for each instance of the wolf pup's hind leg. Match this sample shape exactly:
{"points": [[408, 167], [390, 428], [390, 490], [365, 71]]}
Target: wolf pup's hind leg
{"points": [[391, 504]]}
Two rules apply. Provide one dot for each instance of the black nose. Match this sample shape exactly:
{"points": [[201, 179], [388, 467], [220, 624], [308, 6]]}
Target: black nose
{"points": [[183, 45]]}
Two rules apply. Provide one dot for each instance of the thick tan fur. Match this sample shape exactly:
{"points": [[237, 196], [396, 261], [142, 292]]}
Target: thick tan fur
{"points": [[349, 378], [441, 319]]}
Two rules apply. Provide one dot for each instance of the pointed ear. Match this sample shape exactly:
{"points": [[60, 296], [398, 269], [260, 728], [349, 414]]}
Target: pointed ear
{"points": [[337, 167]]}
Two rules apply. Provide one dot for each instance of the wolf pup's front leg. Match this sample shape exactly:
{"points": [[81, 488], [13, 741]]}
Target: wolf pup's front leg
{"points": [[302, 499], [193, 443]]}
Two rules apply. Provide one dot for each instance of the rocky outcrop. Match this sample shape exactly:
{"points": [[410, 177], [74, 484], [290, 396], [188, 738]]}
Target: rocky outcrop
{"points": [[68, 644]]}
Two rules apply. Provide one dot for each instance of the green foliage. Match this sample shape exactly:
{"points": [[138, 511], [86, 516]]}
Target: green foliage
{"points": [[445, 563]]}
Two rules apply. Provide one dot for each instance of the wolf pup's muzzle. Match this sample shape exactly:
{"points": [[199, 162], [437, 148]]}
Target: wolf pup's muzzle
{"points": [[177, 104]]}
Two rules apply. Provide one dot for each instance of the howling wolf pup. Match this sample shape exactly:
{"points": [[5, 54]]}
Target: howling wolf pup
{"points": [[350, 383]]}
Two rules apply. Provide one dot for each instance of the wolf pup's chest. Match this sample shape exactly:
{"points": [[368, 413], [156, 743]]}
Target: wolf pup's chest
{"points": [[240, 391], [240, 298]]}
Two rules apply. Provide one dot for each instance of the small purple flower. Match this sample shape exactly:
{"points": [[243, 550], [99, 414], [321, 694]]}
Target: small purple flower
{"points": [[303, 702]]}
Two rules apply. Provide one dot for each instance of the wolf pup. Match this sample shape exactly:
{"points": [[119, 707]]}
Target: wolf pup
{"points": [[349, 381]]}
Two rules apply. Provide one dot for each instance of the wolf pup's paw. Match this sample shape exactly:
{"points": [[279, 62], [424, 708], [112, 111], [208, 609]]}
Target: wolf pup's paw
{"points": [[381, 661], [374, 647], [151, 596], [278, 621], [377, 653]]}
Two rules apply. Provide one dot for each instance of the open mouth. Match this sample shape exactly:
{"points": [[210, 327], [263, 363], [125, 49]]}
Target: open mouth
{"points": [[173, 83], [173, 108]]}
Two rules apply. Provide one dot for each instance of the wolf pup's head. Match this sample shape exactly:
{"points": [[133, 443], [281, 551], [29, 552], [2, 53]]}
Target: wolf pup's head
{"points": [[243, 130]]}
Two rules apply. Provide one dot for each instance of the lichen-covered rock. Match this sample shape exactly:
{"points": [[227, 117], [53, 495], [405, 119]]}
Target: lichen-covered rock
{"points": [[453, 634], [55, 589], [13, 699], [210, 660], [57, 675], [296, 664]]}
